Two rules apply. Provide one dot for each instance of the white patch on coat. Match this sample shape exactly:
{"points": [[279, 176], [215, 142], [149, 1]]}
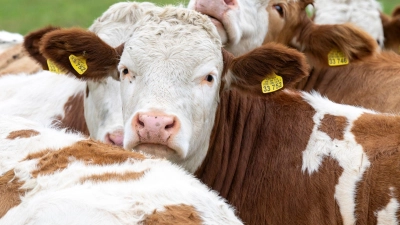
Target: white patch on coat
{"points": [[347, 152], [388, 215]]}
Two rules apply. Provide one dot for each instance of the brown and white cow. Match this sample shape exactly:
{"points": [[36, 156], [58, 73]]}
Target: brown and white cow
{"points": [[285, 157], [391, 28], [48, 176], [369, 78]]}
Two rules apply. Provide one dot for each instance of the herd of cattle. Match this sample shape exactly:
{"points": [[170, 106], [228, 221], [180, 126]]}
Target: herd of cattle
{"points": [[221, 112]]}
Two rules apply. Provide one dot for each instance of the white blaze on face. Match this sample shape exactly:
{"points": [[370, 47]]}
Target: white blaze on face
{"points": [[170, 74], [242, 24]]}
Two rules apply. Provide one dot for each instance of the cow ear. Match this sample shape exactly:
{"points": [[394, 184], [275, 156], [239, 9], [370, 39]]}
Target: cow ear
{"points": [[81, 53], [396, 12], [32, 44], [267, 65], [319, 41]]}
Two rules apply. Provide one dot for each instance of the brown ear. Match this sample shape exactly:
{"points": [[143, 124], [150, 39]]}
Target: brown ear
{"points": [[101, 59], [32, 43], [318, 40], [396, 11], [248, 71]]}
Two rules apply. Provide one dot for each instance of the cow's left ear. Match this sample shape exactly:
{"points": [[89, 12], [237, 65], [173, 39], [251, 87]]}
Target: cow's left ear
{"points": [[267, 69], [82, 53], [396, 12]]}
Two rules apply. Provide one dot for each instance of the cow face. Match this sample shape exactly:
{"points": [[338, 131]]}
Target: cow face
{"points": [[246, 24]]}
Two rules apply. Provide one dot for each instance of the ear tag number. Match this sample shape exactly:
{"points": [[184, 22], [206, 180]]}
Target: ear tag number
{"points": [[337, 58], [272, 84], [53, 67], [78, 63]]}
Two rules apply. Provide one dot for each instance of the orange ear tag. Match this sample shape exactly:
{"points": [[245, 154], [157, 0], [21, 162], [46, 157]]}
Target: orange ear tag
{"points": [[272, 84], [78, 63], [337, 58]]}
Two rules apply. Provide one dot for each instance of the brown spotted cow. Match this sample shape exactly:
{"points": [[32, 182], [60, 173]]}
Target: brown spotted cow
{"points": [[367, 80], [48, 176], [284, 157]]}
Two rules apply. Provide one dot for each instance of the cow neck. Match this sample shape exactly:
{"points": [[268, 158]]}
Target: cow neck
{"points": [[255, 158]]}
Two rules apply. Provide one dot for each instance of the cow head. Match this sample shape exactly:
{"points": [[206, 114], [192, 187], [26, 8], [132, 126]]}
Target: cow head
{"points": [[102, 102], [171, 72]]}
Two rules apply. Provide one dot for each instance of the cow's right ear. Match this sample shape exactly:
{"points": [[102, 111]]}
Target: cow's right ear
{"points": [[396, 12], [32, 45], [267, 69], [82, 53]]}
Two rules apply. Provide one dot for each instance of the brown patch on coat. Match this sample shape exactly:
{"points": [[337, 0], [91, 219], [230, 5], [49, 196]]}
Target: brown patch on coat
{"points": [[113, 177], [9, 192], [174, 215], [333, 126], [22, 134], [379, 136], [15, 60], [88, 151], [255, 156], [74, 117]]}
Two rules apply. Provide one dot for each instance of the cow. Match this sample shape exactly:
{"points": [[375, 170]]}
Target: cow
{"points": [[367, 79], [15, 60], [49, 176], [278, 155], [391, 28]]}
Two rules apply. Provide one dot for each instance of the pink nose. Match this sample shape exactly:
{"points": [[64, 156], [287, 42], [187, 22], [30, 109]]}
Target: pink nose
{"points": [[156, 128], [115, 138], [214, 8]]}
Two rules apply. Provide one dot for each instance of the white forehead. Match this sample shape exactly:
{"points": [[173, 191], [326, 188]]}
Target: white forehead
{"points": [[173, 34]]}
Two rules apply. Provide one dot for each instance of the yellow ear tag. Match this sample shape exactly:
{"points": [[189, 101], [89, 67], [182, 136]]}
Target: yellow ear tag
{"points": [[272, 84], [78, 63], [53, 67], [337, 58]]}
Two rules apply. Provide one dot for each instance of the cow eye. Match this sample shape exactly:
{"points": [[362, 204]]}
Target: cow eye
{"points": [[125, 71], [209, 78], [279, 9]]}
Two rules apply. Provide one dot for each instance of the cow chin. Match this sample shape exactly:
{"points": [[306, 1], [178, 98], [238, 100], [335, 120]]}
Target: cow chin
{"points": [[221, 30], [158, 151]]}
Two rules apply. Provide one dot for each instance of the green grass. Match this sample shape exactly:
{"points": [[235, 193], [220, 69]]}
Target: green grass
{"points": [[23, 16]]}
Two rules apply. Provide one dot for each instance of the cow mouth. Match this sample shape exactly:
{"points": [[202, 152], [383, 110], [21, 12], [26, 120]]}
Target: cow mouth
{"points": [[220, 28], [157, 150]]}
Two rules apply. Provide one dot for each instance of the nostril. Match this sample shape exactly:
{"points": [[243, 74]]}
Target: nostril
{"points": [[169, 126], [140, 122], [229, 2]]}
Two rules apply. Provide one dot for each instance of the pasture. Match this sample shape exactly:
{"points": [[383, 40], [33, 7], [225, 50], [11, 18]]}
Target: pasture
{"points": [[23, 16]]}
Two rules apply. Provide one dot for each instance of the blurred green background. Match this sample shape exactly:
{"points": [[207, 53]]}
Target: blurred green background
{"points": [[23, 16]]}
